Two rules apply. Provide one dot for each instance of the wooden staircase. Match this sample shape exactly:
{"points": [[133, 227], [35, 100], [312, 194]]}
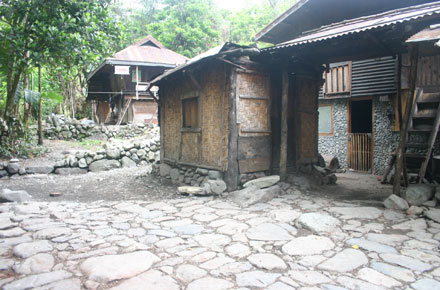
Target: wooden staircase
{"points": [[424, 120], [124, 111]]}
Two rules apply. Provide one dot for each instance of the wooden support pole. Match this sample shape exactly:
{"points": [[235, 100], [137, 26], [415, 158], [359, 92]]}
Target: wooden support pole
{"points": [[232, 172], [400, 153], [284, 129]]}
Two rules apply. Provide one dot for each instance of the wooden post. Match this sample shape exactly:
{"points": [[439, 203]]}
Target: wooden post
{"points": [[231, 176], [400, 153], [284, 129]]}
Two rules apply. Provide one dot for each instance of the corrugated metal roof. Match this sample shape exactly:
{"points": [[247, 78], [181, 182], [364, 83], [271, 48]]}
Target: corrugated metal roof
{"points": [[151, 51], [203, 56], [363, 24], [430, 33]]}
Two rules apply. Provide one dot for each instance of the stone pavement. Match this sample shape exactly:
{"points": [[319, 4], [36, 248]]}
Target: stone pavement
{"points": [[292, 242]]}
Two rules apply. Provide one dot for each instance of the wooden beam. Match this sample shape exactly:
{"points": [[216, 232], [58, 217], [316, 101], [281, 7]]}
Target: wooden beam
{"points": [[231, 176], [193, 79], [400, 153], [284, 129]]}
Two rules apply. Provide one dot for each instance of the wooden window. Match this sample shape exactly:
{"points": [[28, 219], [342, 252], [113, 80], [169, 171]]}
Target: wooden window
{"points": [[133, 75], [325, 120], [338, 80], [190, 110]]}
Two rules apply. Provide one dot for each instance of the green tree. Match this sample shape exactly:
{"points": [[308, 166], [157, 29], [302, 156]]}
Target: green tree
{"points": [[63, 32], [188, 27]]}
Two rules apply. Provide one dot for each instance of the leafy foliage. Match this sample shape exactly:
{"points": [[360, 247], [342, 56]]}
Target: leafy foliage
{"points": [[187, 26]]}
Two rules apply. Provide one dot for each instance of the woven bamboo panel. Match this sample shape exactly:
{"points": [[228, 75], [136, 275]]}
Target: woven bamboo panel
{"points": [[213, 118], [254, 103], [173, 116], [211, 150]]}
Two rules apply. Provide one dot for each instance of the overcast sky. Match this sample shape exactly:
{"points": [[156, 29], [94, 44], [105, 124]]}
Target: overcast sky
{"points": [[226, 4]]}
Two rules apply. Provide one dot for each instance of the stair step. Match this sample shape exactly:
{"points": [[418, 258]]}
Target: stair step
{"points": [[415, 155], [425, 114], [429, 98], [417, 145], [420, 130]]}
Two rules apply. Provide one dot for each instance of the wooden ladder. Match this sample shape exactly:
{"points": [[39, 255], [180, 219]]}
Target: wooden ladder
{"points": [[426, 120], [409, 129], [127, 104]]}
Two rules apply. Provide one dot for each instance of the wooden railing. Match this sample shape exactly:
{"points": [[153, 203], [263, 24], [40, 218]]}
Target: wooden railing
{"points": [[359, 152]]}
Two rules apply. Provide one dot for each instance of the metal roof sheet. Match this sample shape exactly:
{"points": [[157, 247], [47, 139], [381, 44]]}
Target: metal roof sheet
{"points": [[203, 56], [430, 33], [151, 51], [363, 24]]}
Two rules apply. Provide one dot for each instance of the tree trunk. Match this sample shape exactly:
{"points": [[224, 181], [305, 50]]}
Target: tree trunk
{"points": [[40, 110], [27, 106]]}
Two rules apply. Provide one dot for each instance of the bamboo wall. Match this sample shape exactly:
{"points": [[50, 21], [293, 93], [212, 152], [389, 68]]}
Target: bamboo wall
{"points": [[206, 146]]}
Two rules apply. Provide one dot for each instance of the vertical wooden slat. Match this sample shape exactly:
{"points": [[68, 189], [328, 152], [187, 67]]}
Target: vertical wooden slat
{"points": [[340, 79]]}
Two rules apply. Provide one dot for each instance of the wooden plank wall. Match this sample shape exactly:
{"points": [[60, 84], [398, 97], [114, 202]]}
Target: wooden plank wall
{"points": [[306, 119], [254, 142], [208, 145]]}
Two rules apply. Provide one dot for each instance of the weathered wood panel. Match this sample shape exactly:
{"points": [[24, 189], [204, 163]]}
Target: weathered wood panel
{"points": [[190, 148], [254, 153], [253, 98], [428, 71], [306, 118]]}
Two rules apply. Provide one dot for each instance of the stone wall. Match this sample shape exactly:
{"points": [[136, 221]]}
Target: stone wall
{"points": [[385, 140], [114, 154], [59, 127], [336, 145]]}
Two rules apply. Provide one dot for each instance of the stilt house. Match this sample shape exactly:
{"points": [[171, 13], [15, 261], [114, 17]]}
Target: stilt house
{"points": [[117, 88]]}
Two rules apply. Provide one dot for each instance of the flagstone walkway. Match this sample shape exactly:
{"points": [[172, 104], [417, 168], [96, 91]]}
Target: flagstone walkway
{"points": [[295, 241]]}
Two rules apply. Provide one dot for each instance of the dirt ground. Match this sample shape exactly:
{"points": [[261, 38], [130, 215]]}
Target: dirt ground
{"points": [[137, 184]]}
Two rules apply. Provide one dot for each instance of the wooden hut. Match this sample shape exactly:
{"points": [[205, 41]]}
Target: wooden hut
{"points": [[222, 111], [117, 88]]}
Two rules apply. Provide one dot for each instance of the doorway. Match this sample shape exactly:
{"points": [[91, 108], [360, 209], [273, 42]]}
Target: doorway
{"points": [[360, 140]]}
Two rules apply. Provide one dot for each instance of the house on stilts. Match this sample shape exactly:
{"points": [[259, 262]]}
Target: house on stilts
{"points": [[117, 87]]}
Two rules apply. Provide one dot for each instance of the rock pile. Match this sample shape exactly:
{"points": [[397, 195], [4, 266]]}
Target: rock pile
{"points": [[59, 127], [417, 199], [125, 155]]}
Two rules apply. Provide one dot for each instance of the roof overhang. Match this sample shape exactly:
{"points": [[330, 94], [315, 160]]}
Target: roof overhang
{"points": [[306, 15], [220, 51], [113, 61], [363, 24]]}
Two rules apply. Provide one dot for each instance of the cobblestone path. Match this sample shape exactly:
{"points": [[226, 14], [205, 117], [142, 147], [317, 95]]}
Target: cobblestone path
{"points": [[293, 242]]}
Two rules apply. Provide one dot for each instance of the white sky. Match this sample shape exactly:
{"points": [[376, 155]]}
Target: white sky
{"points": [[235, 4], [225, 4]]}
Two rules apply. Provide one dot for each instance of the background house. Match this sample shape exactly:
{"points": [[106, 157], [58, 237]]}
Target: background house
{"points": [[367, 66], [117, 88]]}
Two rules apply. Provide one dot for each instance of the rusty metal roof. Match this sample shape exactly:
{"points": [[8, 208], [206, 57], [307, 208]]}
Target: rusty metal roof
{"points": [[430, 33], [151, 51], [362, 24]]}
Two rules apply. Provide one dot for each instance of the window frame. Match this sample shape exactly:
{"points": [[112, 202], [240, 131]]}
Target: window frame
{"points": [[133, 75], [332, 120], [190, 129], [339, 93]]}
